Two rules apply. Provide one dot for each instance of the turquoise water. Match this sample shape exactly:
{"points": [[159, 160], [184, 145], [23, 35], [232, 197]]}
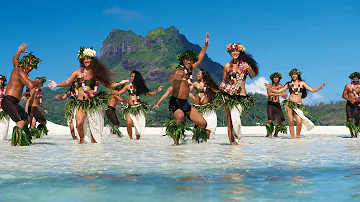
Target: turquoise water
{"points": [[55, 168]]}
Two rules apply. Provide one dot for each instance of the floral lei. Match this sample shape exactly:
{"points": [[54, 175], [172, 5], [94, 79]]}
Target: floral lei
{"points": [[273, 98], [201, 91], [135, 98], [237, 76], [82, 78], [38, 94], [295, 90], [189, 75], [353, 89]]}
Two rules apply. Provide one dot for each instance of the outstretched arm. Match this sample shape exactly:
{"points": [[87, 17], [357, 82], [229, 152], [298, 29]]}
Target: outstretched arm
{"points": [[67, 82], [21, 49], [314, 90], [163, 97], [155, 92], [120, 98], [114, 85], [284, 88], [123, 90], [62, 98], [202, 52]]}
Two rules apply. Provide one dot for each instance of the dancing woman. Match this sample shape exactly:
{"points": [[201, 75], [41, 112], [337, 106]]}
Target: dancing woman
{"points": [[10, 103], [4, 118], [351, 94], [206, 90], [89, 104], [33, 102], [135, 111], [234, 93], [274, 110], [71, 93], [293, 105]]}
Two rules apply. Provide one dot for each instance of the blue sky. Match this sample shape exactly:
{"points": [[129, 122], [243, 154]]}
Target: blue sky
{"points": [[321, 38]]}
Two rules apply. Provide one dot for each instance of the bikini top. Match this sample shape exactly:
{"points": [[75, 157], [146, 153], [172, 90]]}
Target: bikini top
{"points": [[90, 82], [294, 90]]}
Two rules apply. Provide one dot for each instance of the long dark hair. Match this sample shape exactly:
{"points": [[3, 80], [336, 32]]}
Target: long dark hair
{"points": [[4, 83], [304, 92], [100, 71], [139, 83], [245, 57], [210, 83]]}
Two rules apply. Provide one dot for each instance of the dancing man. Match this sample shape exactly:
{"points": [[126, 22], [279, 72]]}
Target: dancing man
{"points": [[178, 105], [10, 103], [33, 102], [274, 110], [4, 118], [88, 109], [135, 111], [110, 111], [206, 90], [351, 94], [234, 93], [293, 105], [71, 93]]}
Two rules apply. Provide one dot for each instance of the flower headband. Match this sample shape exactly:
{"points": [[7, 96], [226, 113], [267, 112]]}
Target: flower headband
{"points": [[29, 59], [296, 71], [3, 78], [188, 53], [275, 74], [43, 79], [86, 52], [235, 46], [354, 74]]}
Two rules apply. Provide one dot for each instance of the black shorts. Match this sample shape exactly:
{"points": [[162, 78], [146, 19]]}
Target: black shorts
{"points": [[177, 103], [34, 112], [111, 115], [11, 106]]}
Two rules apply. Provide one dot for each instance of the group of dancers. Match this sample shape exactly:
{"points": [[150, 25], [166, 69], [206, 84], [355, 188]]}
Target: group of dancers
{"points": [[85, 106]]}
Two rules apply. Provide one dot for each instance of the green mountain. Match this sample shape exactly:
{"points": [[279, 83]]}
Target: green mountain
{"points": [[154, 56]]}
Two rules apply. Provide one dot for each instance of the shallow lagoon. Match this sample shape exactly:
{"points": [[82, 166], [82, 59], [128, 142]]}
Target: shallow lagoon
{"points": [[56, 168]]}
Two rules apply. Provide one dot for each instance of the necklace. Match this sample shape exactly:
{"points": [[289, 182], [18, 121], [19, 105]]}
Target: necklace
{"points": [[82, 78], [2, 93], [201, 91], [188, 74], [135, 98], [295, 90], [353, 88]]}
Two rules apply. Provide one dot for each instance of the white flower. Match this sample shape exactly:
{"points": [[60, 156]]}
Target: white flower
{"points": [[89, 52]]}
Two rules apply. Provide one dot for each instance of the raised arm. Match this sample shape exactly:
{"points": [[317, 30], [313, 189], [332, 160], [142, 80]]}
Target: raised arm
{"points": [[163, 97], [123, 90], [202, 52], [21, 49], [155, 92], [313, 90], [65, 83]]}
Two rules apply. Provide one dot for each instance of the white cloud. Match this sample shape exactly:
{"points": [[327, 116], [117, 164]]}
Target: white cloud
{"points": [[123, 13], [313, 98], [257, 86]]}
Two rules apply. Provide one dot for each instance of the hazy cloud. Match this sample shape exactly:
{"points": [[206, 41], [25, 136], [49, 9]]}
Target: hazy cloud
{"points": [[257, 86], [313, 98], [123, 13]]}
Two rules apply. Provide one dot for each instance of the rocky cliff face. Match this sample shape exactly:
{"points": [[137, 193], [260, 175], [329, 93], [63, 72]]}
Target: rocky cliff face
{"points": [[153, 55]]}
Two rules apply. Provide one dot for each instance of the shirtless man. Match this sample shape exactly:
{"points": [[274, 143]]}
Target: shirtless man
{"points": [[10, 103], [110, 111], [33, 102], [274, 110], [351, 95], [181, 81]]}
